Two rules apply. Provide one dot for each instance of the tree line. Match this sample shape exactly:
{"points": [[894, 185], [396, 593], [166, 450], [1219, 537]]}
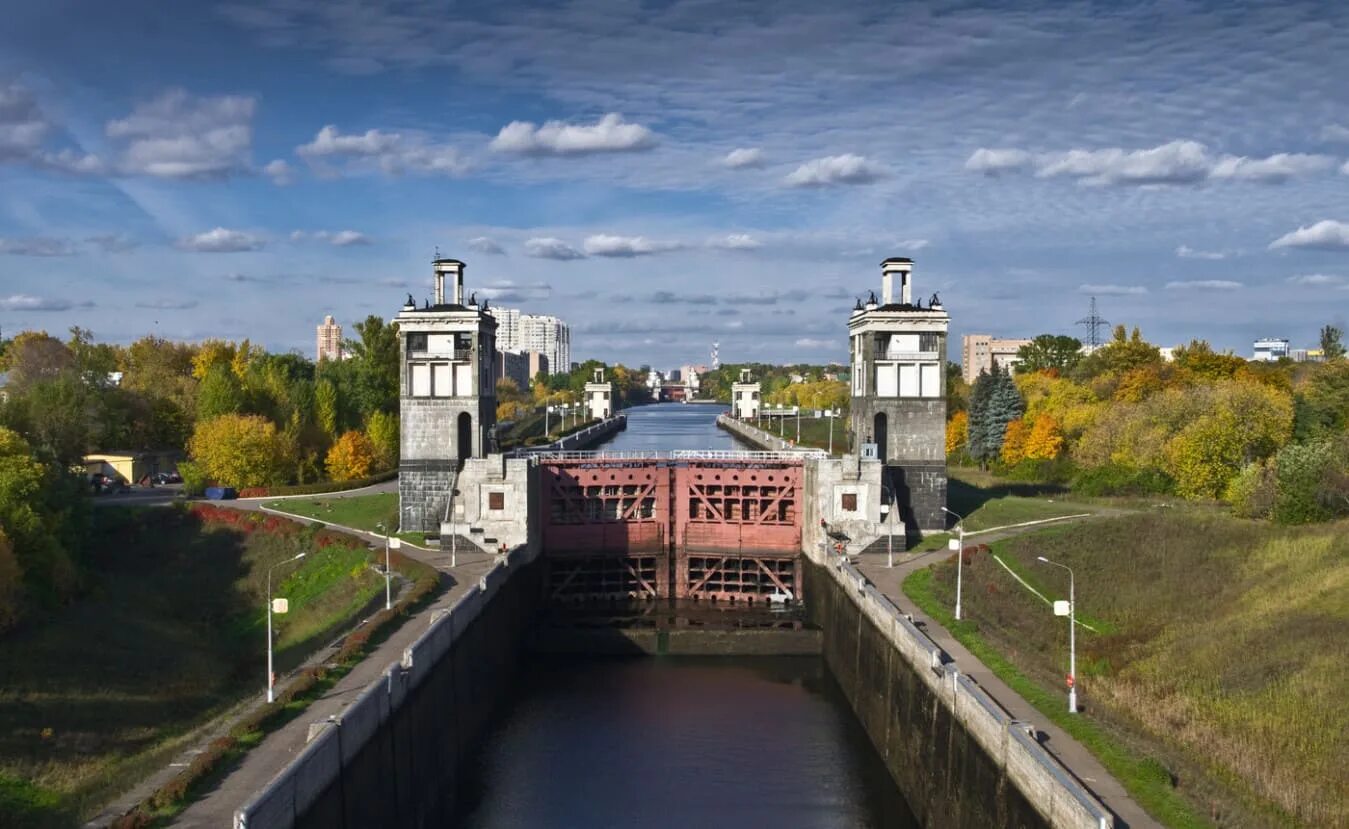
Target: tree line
{"points": [[1270, 439]]}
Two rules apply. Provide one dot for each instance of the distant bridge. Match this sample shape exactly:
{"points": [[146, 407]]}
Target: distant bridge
{"points": [[702, 525]]}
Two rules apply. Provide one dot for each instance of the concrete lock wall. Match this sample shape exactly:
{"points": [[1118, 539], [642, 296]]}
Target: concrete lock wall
{"points": [[393, 757], [753, 435], [959, 759]]}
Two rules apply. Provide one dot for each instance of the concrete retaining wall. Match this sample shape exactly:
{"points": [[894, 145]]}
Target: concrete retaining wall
{"points": [[591, 435], [959, 759], [392, 758], [752, 434]]}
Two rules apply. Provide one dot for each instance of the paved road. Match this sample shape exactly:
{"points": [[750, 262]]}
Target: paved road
{"points": [[1072, 754]]}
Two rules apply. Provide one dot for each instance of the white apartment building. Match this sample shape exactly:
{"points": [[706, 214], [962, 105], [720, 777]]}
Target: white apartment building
{"points": [[545, 334], [329, 341]]}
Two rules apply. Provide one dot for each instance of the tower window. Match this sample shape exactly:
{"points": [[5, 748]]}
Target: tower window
{"points": [[928, 342]]}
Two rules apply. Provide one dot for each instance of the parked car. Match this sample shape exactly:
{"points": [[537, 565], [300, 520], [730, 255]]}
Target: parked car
{"points": [[161, 478]]}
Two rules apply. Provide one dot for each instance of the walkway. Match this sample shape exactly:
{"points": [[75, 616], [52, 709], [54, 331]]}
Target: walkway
{"points": [[215, 808], [1072, 754]]}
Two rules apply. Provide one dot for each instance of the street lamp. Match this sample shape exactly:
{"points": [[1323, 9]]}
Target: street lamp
{"points": [[388, 589], [889, 534], [798, 424], [960, 555], [271, 678], [1072, 634]]}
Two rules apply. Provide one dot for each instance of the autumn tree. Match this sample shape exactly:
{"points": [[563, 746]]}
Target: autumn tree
{"points": [[1332, 348], [957, 433], [240, 450], [326, 408], [382, 429], [351, 456], [1045, 441], [1014, 442], [1049, 352], [1200, 359], [220, 393]]}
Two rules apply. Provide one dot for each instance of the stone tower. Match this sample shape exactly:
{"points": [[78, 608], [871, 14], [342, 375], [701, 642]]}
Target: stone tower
{"points": [[447, 396], [745, 397], [899, 393], [599, 396]]}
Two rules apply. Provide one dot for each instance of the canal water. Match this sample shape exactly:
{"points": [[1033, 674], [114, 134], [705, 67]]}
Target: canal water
{"points": [[739, 743]]}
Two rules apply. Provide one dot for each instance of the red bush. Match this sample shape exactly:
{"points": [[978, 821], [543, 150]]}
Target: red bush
{"points": [[254, 492]]}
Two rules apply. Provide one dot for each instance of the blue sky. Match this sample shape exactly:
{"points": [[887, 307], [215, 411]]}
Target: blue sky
{"points": [[665, 175]]}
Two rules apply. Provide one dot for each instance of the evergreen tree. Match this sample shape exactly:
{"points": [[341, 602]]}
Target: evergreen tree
{"points": [[978, 406]]}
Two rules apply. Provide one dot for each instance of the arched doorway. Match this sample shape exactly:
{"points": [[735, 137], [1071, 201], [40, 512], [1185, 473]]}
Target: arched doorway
{"points": [[465, 444], [882, 438]]}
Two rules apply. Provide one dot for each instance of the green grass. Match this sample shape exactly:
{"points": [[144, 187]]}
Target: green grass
{"points": [[988, 502], [814, 432], [1219, 658], [364, 512], [169, 634]]}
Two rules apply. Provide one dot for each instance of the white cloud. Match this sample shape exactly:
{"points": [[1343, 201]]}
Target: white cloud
{"points": [[547, 247], [506, 290], [993, 162], [1187, 252], [1316, 279], [178, 136], [1204, 285], [912, 244], [603, 244], [1327, 234], [811, 342], [1111, 289], [736, 241], [1345, 168], [1177, 162], [280, 172], [1172, 163], [28, 302], [24, 130], [348, 238], [391, 152], [1275, 169], [836, 169], [608, 135], [744, 157], [221, 240], [482, 244], [36, 246]]}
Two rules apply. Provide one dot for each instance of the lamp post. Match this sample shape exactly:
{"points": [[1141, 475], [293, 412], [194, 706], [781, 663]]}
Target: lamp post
{"points": [[782, 417], [798, 424], [1072, 634], [889, 534], [960, 555], [271, 678], [831, 431], [388, 589]]}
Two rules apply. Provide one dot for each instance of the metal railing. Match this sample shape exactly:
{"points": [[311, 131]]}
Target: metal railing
{"points": [[549, 456]]}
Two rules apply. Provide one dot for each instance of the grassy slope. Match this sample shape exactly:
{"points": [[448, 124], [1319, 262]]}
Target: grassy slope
{"points": [[170, 633], [1222, 664]]}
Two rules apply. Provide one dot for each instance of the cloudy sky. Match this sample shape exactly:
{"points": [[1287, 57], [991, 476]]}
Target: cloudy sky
{"points": [[665, 175]]}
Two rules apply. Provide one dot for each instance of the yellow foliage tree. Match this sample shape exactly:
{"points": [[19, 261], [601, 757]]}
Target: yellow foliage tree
{"points": [[241, 450], [209, 353], [1045, 441], [382, 429], [957, 432], [1014, 442], [351, 457]]}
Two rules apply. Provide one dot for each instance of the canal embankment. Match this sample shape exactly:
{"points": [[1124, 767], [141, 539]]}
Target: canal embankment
{"points": [[392, 755], [957, 756], [753, 435]]}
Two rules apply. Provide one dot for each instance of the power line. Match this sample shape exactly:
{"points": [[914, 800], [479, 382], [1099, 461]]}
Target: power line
{"points": [[1094, 323]]}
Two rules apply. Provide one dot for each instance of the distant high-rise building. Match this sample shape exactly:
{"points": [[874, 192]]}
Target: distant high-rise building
{"points": [[538, 364], [508, 328], [980, 352], [329, 340], [545, 334]]}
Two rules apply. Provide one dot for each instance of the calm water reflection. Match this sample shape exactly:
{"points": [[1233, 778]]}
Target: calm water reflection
{"points": [[665, 426], [702, 743]]}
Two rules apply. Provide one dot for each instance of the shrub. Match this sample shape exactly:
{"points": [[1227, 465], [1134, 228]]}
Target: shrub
{"points": [[194, 477], [1118, 479], [1251, 492], [1301, 469], [351, 457]]}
